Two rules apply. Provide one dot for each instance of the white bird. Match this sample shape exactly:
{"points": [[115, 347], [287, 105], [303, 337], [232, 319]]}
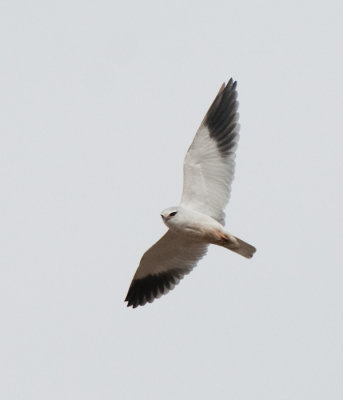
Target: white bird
{"points": [[199, 219]]}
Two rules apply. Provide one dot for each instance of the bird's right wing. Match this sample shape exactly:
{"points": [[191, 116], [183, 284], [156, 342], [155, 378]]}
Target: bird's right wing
{"points": [[210, 161], [163, 266]]}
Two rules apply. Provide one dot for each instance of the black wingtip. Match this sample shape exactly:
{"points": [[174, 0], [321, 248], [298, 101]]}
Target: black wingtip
{"points": [[222, 118], [147, 289]]}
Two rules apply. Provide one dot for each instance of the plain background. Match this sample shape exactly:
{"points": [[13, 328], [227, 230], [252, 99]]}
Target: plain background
{"points": [[99, 102]]}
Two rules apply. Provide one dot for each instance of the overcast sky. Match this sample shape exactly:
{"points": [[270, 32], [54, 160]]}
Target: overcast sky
{"points": [[99, 102]]}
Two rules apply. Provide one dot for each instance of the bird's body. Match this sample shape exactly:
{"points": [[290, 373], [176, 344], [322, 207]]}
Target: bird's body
{"points": [[203, 228], [199, 219], [193, 224]]}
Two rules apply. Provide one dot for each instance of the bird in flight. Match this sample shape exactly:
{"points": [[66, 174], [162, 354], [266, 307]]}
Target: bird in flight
{"points": [[199, 219]]}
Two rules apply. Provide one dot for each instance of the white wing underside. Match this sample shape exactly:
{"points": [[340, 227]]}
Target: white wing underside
{"points": [[207, 177], [210, 161]]}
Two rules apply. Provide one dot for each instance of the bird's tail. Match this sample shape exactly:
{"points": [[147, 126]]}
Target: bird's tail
{"points": [[239, 246]]}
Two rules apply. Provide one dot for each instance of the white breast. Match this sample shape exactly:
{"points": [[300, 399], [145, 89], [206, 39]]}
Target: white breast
{"points": [[195, 224]]}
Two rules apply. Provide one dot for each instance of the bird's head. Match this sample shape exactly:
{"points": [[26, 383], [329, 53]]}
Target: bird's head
{"points": [[170, 215]]}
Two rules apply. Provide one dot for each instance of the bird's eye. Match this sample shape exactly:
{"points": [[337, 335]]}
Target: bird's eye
{"points": [[172, 214]]}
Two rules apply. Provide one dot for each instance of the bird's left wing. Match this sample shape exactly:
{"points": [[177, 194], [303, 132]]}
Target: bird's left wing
{"points": [[163, 266], [210, 161]]}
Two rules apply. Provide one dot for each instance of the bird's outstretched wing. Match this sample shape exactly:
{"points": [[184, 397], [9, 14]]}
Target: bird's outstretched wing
{"points": [[210, 161], [163, 266]]}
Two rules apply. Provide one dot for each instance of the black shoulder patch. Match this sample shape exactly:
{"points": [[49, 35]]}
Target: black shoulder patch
{"points": [[222, 118], [150, 287]]}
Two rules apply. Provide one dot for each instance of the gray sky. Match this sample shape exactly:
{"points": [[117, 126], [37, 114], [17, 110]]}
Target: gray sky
{"points": [[99, 103]]}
